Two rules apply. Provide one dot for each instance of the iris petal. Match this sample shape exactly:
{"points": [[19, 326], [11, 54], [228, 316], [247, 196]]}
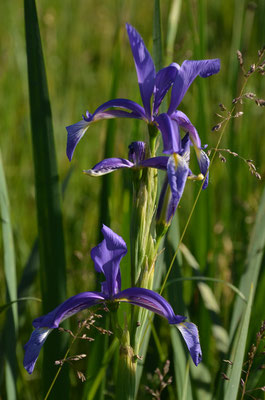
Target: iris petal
{"points": [[170, 133], [190, 334], [184, 122], [188, 71], [177, 171], [33, 347], [155, 162], [204, 163], [45, 324], [127, 109], [151, 301], [144, 65], [163, 81], [107, 256], [75, 134], [68, 308], [108, 165]]}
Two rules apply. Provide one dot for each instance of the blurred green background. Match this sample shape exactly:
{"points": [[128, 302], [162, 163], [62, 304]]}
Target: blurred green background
{"points": [[88, 57]]}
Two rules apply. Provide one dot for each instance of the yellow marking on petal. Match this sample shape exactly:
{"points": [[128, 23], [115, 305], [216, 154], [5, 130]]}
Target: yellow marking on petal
{"points": [[199, 177], [123, 299], [175, 159]]}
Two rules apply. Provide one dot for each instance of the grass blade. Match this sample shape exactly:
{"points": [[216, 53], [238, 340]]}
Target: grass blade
{"points": [[11, 325], [180, 354], [173, 20], [253, 264], [157, 37], [50, 228], [238, 351]]}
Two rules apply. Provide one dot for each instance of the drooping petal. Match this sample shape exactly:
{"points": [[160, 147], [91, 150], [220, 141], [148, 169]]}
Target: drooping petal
{"points": [[184, 122], [155, 162], [107, 166], [33, 347], [68, 308], [127, 109], [163, 82], [204, 163], [177, 171], [75, 133], [188, 71], [45, 324], [170, 133], [190, 334], [107, 256], [145, 68], [151, 301]]}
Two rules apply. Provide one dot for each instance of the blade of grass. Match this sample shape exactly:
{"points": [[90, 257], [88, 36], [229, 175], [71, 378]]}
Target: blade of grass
{"points": [[6, 306], [157, 37], [238, 352], [49, 213], [11, 324], [180, 354], [252, 266], [32, 265], [173, 20], [92, 389]]}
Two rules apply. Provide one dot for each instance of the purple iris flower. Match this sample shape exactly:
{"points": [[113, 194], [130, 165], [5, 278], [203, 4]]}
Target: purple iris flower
{"points": [[136, 160], [177, 167], [153, 88], [107, 256]]}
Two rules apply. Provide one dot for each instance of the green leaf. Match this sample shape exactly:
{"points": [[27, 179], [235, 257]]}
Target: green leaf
{"points": [[238, 352], [181, 356], [7, 305], [48, 199], [11, 325], [252, 266], [173, 19]]}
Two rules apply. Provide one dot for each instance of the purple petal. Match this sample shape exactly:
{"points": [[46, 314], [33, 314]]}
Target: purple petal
{"points": [[107, 256], [164, 209], [184, 122], [177, 171], [204, 163], [163, 81], [188, 71], [170, 134], [68, 308], [155, 162], [151, 301], [75, 134], [190, 334], [108, 165], [128, 109], [137, 152], [145, 68], [45, 324], [136, 111], [33, 347]]}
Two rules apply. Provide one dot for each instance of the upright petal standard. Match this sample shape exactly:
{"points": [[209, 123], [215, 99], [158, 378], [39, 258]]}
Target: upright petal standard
{"points": [[107, 256]]}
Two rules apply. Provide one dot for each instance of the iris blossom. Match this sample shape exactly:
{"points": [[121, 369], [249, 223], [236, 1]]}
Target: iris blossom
{"points": [[107, 256], [177, 167], [153, 88]]}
